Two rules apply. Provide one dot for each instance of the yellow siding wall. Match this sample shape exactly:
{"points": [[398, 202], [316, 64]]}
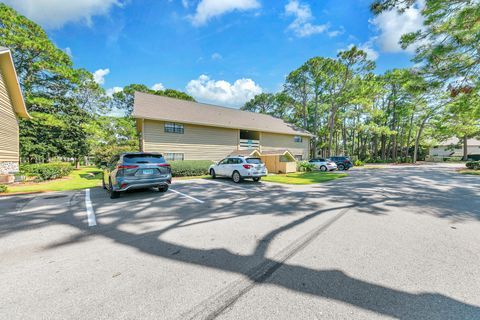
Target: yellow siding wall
{"points": [[275, 141], [196, 143], [8, 126]]}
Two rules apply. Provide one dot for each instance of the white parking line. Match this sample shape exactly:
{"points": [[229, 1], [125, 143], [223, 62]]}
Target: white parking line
{"points": [[187, 196], [90, 213]]}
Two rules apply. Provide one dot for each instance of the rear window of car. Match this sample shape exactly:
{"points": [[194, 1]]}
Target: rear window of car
{"points": [[143, 158], [254, 160]]}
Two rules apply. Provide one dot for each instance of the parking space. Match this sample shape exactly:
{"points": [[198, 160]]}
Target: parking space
{"points": [[376, 244]]}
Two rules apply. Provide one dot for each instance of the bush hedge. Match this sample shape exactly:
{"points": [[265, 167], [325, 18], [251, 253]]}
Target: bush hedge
{"points": [[305, 166], [358, 163], [474, 165], [3, 188], [47, 171], [186, 168]]}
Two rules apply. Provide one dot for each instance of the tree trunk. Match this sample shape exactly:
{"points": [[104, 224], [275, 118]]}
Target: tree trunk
{"points": [[417, 139], [409, 139], [331, 129], [383, 147], [465, 148]]}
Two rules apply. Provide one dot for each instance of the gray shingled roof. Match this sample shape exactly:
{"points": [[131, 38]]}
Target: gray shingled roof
{"points": [[470, 142], [153, 107]]}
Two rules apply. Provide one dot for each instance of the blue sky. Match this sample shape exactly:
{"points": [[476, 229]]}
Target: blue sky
{"points": [[219, 51]]}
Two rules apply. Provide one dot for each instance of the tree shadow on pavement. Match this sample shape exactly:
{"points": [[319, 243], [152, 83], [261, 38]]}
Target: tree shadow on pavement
{"points": [[374, 194]]}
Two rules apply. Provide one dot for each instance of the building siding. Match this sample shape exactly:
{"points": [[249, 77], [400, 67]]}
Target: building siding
{"points": [[196, 143], [211, 143], [274, 141], [8, 127], [449, 152]]}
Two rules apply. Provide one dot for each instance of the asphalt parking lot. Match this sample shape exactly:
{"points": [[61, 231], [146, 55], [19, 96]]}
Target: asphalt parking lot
{"points": [[396, 244]]}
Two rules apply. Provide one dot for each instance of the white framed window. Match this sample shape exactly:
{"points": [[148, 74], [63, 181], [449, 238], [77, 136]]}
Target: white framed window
{"points": [[172, 127], [298, 139], [171, 156]]}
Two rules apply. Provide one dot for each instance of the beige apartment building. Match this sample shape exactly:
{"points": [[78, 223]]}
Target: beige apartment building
{"points": [[185, 130]]}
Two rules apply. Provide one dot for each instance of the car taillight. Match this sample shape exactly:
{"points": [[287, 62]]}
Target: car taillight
{"points": [[165, 165], [247, 166], [126, 167], [346, 161]]}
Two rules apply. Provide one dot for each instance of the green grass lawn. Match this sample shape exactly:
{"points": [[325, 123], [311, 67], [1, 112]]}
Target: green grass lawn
{"points": [[304, 177], [79, 179], [472, 172]]}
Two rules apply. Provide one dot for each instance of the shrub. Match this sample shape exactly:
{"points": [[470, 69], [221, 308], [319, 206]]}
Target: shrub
{"points": [[3, 188], [47, 171], [452, 159], [474, 165], [358, 163], [305, 166], [186, 168]]}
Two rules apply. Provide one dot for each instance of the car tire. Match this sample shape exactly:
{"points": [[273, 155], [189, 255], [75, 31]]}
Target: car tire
{"points": [[236, 177], [212, 173], [323, 168], [163, 188], [341, 167], [256, 179], [113, 194]]}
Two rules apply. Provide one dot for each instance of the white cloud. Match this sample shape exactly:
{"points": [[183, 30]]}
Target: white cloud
{"points": [[99, 75], [216, 56], [223, 92], [185, 4], [158, 86], [111, 91], [392, 25], [301, 25], [68, 51], [372, 54], [207, 9], [53, 14]]}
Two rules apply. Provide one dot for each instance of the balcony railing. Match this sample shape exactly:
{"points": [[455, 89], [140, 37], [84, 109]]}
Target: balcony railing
{"points": [[246, 144]]}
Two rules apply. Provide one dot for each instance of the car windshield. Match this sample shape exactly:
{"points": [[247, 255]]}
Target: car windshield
{"points": [[143, 158], [254, 160]]}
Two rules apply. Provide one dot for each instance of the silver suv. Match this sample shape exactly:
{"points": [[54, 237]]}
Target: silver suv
{"points": [[136, 170]]}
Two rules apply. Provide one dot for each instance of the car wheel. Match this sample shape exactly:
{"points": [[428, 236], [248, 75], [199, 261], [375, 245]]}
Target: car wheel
{"points": [[212, 173], [163, 188], [341, 167], [323, 168], [236, 177], [256, 179], [113, 194]]}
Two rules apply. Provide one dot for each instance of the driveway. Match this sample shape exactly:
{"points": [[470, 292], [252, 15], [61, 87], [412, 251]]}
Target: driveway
{"points": [[386, 243]]}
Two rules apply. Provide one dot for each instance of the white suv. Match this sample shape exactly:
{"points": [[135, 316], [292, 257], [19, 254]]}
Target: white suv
{"points": [[239, 168], [324, 164]]}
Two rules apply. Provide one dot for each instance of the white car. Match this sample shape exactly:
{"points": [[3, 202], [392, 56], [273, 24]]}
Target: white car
{"points": [[324, 164], [239, 168]]}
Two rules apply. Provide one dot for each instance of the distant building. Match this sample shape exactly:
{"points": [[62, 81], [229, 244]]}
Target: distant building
{"points": [[12, 107], [453, 147]]}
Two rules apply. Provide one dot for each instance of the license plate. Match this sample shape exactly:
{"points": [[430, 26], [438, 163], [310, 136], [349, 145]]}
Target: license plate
{"points": [[147, 171]]}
